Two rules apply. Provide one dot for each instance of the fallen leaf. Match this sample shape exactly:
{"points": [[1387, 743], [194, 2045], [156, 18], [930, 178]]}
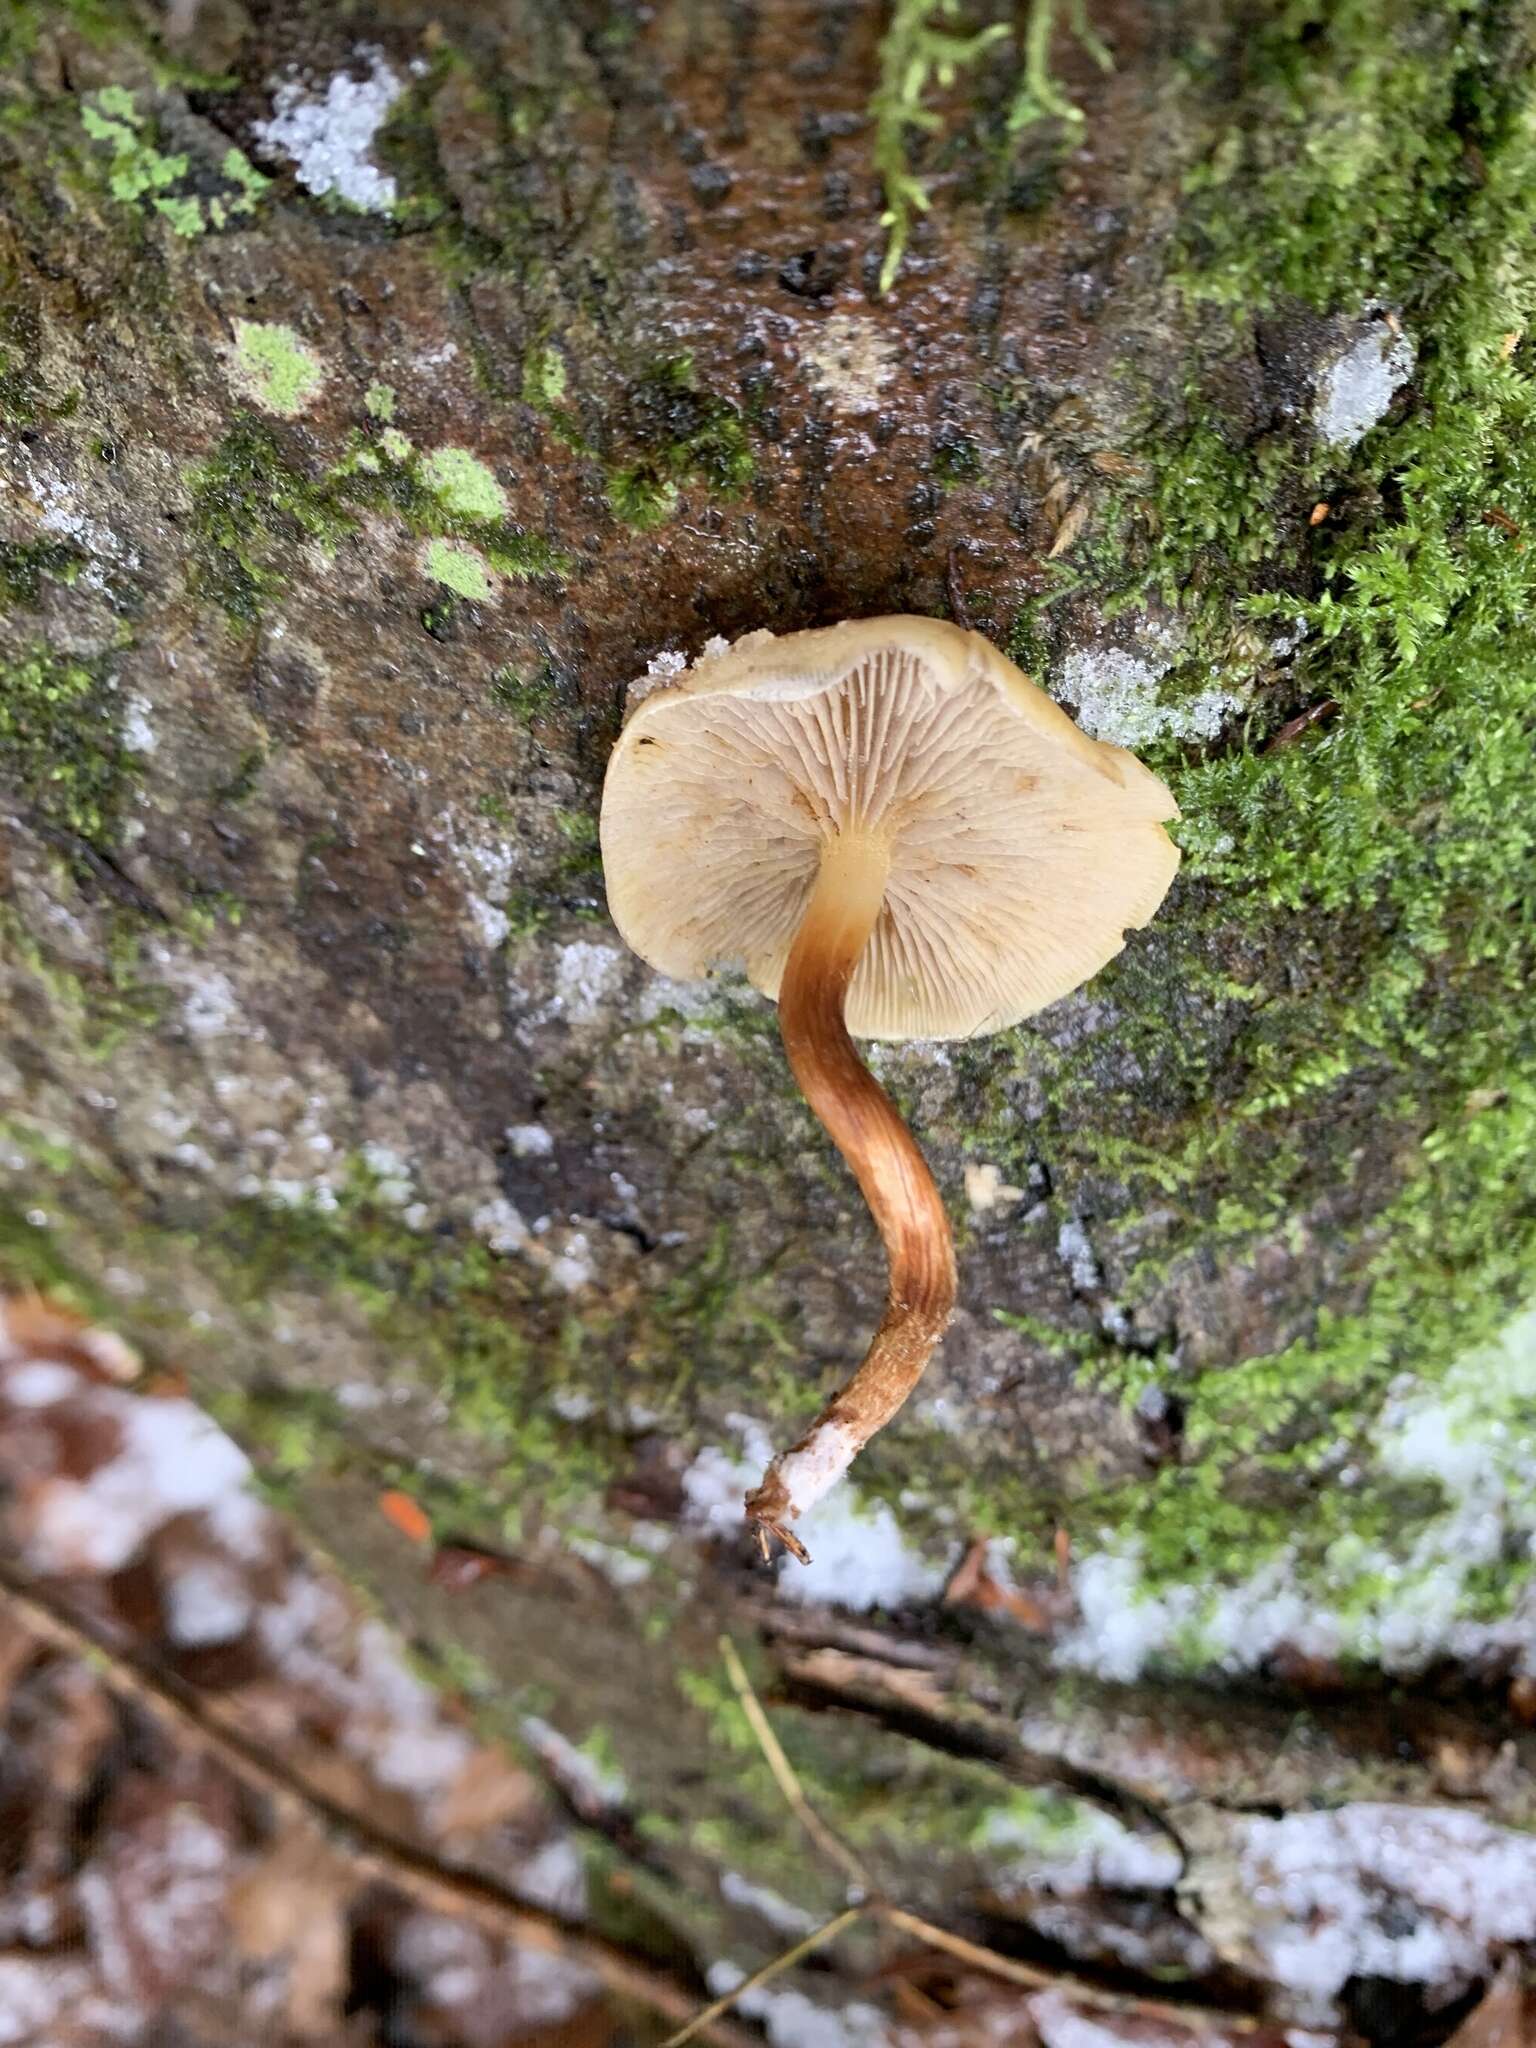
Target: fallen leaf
{"points": [[33, 1326], [458, 1566], [974, 1584], [1293, 728], [1498, 2018], [291, 1906], [406, 1515], [488, 1791], [1110, 462], [1074, 519]]}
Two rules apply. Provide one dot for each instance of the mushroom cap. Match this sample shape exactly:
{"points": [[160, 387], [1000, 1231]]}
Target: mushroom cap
{"points": [[1021, 851]]}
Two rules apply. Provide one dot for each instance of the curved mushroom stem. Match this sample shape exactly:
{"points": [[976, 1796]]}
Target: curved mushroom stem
{"points": [[864, 1124]]}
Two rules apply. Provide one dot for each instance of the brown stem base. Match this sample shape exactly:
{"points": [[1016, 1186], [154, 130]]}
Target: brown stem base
{"points": [[867, 1129]]}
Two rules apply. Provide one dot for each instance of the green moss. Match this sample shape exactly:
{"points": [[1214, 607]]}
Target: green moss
{"points": [[956, 460], [684, 435], [96, 1008], [1334, 1011], [24, 564], [380, 401], [525, 697], [252, 501], [468, 1323], [60, 744], [458, 568], [1359, 160], [250, 505], [274, 368]]}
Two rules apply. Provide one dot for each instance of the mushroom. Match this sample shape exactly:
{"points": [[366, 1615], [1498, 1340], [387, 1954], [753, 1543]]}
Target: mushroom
{"points": [[898, 836]]}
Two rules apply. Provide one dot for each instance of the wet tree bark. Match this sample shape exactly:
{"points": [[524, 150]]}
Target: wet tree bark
{"points": [[375, 405]]}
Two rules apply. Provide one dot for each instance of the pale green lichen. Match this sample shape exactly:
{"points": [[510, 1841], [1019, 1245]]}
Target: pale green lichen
{"points": [[380, 402], [274, 368], [465, 485], [458, 568], [544, 378]]}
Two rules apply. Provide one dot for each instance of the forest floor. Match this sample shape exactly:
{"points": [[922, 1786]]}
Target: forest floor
{"points": [[229, 1805]]}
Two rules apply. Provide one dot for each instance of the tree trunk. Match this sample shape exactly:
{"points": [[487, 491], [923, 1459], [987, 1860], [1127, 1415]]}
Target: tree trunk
{"points": [[380, 394]]}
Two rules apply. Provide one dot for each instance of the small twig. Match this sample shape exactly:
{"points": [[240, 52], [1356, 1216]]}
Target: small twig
{"points": [[1200, 2017], [954, 585], [783, 1771], [371, 1850], [769, 1970], [1203, 2017]]}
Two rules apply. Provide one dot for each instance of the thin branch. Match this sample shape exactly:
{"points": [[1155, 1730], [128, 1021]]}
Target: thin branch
{"points": [[769, 1970], [1204, 2018], [783, 1771], [373, 1851]]}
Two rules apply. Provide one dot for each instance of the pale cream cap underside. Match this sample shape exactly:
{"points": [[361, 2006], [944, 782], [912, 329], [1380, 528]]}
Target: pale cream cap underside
{"points": [[1021, 851]]}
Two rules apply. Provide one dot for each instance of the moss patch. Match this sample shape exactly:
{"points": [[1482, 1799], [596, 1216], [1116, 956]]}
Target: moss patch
{"points": [[1358, 905], [274, 368], [24, 564], [252, 500], [685, 434], [61, 745]]}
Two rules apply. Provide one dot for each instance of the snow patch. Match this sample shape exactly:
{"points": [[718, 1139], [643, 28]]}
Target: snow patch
{"points": [[207, 1603], [768, 1905], [1115, 691], [586, 974], [661, 671], [1420, 1895], [1076, 1253], [529, 1141], [171, 1460], [1467, 1435], [603, 1784], [209, 1006], [491, 925], [414, 1749], [40, 1382], [138, 732], [859, 1559], [500, 1225], [716, 1483], [1355, 389], [1060, 2024], [791, 2020], [1093, 1848], [329, 136]]}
